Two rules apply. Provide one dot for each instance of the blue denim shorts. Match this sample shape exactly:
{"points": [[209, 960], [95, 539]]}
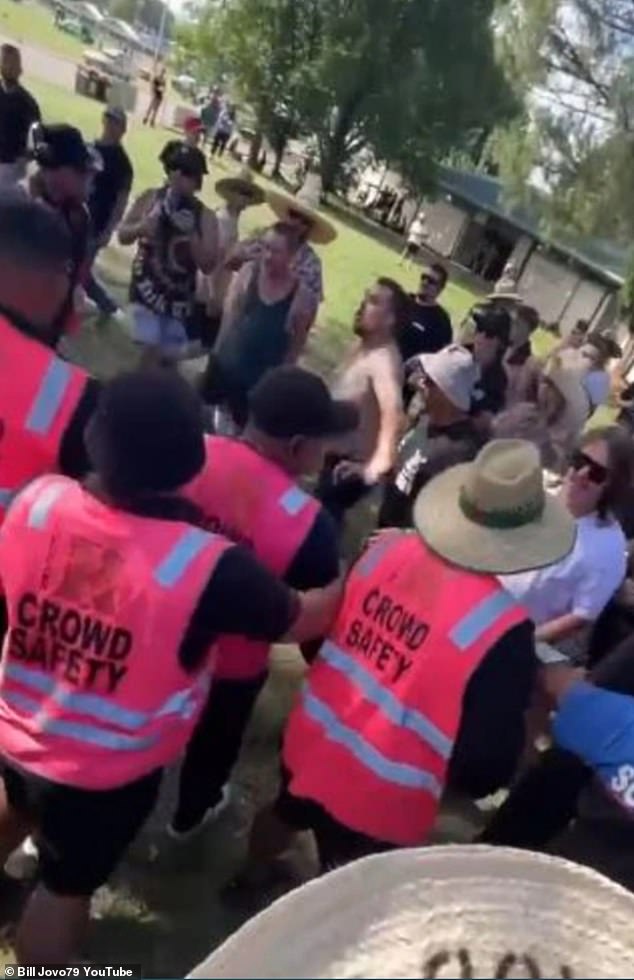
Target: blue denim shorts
{"points": [[157, 330]]}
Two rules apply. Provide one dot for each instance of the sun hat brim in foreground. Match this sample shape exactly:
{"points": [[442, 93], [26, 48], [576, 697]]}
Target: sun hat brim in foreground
{"points": [[461, 910], [322, 231], [441, 523]]}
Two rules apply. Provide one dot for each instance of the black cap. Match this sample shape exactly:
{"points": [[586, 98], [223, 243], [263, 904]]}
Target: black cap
{"points": [[187, 160], [493, 321], [289, 402], [62, 145], [146, 435]]}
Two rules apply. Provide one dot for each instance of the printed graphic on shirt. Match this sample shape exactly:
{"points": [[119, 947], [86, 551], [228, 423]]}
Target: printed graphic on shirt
{"points": [[621, 784], [68, 628]]}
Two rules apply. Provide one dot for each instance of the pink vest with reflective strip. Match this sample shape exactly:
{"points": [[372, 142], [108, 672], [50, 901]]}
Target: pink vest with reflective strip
{"points": [[91, 690], [374, 729], [255, 503], [38, 397]]}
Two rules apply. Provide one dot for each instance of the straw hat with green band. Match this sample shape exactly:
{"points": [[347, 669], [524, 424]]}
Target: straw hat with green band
{"points": [[493, 515]]}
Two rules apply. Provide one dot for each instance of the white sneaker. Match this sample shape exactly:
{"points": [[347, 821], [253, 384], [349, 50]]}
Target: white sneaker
{"points": [[208, 817], [21, 865]]}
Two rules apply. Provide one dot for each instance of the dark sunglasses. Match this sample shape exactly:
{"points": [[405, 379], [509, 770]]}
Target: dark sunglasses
{"points": [[427, 280], [596, 472]]}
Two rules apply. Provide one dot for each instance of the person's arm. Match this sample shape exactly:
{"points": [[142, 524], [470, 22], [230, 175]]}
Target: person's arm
{"points": [[597, 725], [274, 612], [234, 303], [492, 730], [73, 458], [300, 319], [387, 390], [600, 580], [204, 245], [560, 628], [316, 564], [138, 222]]}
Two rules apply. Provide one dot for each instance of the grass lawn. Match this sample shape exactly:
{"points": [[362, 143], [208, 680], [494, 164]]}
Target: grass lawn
{"points": [[32, 23]]}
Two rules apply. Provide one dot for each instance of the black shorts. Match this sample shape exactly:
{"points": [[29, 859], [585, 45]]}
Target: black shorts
{"points": [[81, 834]]}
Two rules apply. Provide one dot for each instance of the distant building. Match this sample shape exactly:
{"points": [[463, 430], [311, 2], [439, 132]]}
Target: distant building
{"points": [[471, 225]]}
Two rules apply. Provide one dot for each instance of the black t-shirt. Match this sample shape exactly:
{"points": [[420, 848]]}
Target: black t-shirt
{"points": [[492, 732], [423, 453], [428, 330], [490, 392], [115, 178], [18, 112]]}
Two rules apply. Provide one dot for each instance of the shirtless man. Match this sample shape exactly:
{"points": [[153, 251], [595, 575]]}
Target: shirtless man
{"points": [[371, 378]]}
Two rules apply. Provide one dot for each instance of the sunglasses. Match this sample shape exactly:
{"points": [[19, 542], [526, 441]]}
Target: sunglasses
{"points": [[596, 472], [427, 280]]}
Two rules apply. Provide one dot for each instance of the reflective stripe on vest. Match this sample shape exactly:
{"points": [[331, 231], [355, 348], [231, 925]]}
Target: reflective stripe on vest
{"points": [[49, 397], [78, 730], [385, 701], [181, 703], [477, 621], [41, 506], [399, 773], [293, 501], [183, 553]]}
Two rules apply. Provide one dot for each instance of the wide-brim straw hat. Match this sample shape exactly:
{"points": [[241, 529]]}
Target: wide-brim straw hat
{"points": [[493, 515], [456, 911], [306, 202], [243, 185]]}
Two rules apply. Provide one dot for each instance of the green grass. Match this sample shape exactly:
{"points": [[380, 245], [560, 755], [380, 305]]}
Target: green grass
{"points": [[32, 23]]}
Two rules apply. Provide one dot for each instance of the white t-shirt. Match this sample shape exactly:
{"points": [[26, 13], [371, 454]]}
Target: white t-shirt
{"points": [[583, 582], [417, 232]]}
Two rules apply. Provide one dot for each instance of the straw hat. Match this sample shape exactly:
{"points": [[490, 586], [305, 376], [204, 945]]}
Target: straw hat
{"points": [[306, 202], [466, 910], [242, 184], [493, 515]]}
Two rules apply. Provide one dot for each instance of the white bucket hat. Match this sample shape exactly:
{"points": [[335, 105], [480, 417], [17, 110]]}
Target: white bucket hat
{"points": [[453, 370], [457, 911], [493, 515]]}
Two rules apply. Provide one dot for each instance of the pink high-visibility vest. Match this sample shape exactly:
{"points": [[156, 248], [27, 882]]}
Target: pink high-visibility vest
{"points": [[253, 502], [373, 731], [91, 690], [39, 394]]}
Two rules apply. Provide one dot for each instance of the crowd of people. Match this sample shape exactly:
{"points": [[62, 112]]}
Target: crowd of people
{"points": [[158, 538]]}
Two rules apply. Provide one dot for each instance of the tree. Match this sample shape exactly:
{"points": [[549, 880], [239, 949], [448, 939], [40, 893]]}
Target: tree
{"points": [[574, 62], [409, 79]]}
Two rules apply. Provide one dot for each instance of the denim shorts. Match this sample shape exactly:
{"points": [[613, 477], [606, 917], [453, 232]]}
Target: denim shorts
{"points": [[157, 330]]}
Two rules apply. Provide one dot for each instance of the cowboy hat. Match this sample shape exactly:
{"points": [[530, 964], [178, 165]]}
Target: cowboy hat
{"points": [[456, 911], [306, 203], [242, 184], [493, 515]]}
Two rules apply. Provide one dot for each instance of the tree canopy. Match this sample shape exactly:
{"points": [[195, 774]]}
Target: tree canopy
{"points": [[573, 62], [409, 79]]}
